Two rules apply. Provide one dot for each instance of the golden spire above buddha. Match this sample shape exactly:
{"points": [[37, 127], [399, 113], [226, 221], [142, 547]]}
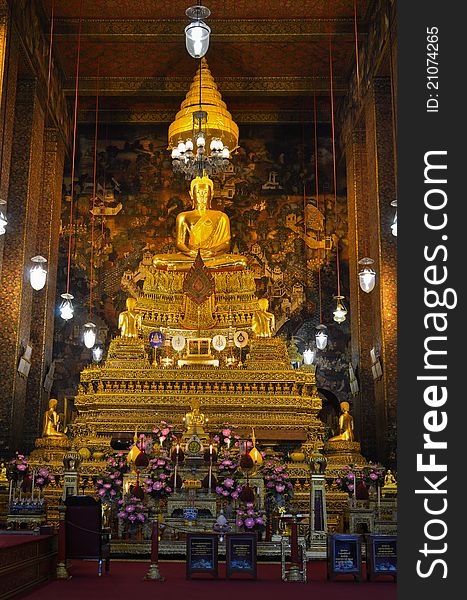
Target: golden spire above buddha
{"points": [[203, 229]]}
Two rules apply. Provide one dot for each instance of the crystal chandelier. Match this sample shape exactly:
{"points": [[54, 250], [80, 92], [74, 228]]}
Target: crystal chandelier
{"points": [[203, 134], [367, 276], [37, 274]]}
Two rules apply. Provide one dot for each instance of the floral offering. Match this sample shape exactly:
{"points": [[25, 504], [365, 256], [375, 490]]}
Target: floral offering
{"points": [[18, 467], [164, 434], [157, 483], [347, 480], [109, 485], [226, 437], [43, 478], [279, 488], [373, 475], [250, 519], [131, 510], [228, 486]]}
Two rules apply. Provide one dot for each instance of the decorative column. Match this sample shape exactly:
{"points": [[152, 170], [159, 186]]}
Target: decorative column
{"points": [[361, 242], [42, 326], [8, 74], [381, 191], [16, 293]]}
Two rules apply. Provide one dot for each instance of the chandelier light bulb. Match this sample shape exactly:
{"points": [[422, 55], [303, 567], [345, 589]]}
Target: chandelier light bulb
{"points": [[197, 32], [200, 140], [89, 334], [308, 356], [37, 273], [189, 145], [321, 337], [340, 314], [97, 353], [225, 152], [181, 147], [367, 276], [66, 307]]}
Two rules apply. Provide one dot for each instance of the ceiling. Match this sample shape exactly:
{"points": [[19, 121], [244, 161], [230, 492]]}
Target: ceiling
{"points": [[264, 54]]}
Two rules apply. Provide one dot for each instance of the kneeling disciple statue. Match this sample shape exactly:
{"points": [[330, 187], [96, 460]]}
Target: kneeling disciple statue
{"points": [[51, 421], [129, 321], [345, 425]]}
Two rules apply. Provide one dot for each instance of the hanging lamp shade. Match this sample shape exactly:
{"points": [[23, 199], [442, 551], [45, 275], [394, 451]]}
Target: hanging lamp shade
{"points": [[308, 356], [367, 275], [3, 219], [197, 32], [37, 273], [66, 307], [394, 223], [340, 314], [219, 125], [321, 337], [89, 334]]}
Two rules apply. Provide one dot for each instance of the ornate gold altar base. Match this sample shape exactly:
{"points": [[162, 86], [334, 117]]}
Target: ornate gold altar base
{"points": [[128, 392], [340, 454]]}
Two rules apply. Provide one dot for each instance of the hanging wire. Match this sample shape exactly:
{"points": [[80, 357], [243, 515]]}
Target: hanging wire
{"points": [[317, 205], [393, 108], [5, 89], [94, 194], [357, 72], [334, 165], [75, 121]]}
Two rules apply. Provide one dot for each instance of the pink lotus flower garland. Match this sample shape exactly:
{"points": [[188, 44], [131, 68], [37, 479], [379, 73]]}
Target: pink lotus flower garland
{"points": [[226, 437], [164, 434]]}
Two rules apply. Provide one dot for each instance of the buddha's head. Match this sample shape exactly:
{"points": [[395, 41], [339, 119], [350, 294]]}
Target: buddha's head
{"points": [[345, 406], [131, 303], [53, 403], [263, 303], [201, 190]]}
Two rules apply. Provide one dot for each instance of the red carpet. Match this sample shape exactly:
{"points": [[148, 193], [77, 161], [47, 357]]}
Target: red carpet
{"points": [[125, 581]]}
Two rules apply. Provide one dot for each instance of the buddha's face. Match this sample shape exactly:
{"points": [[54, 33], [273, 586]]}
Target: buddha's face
{"points": [[202, 197]]}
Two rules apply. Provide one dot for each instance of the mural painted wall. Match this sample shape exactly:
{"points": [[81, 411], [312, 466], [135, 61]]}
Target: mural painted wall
{"points": [[276, 221]]}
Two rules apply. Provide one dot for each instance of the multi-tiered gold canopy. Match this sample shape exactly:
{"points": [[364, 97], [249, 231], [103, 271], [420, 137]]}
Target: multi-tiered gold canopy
{"points": [[219, 121]]}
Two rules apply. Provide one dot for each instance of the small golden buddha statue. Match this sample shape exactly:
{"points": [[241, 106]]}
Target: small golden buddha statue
{"points": [[263, 322], [51, 421], [345, 426], [129, 322], [390, 484], [203, 229], [194, 419]]}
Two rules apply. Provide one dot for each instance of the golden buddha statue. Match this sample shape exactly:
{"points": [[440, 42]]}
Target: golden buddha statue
{"points": [[263, 322], [345, 426], [51, 421], [390, 484], [129, 322], [194, 419], [203, 229]]}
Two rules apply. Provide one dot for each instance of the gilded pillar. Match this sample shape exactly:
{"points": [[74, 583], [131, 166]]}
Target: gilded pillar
{"points": [[381, 191], [8, 74], [42, 326], [16, 293], [361, 244]]}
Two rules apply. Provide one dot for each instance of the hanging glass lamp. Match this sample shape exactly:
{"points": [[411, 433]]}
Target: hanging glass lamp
{"points": [[394, 223], [66, 307], [340, 314], [367, 276], [3, 219], [37, 273], [321, 337], [89, 334], [197, 32]]}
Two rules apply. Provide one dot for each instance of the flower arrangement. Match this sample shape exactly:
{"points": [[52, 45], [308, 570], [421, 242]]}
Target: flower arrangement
{"points": [[157, 483], [18, 467], [228, 475], [131, 510], [373, 475], [226, 437], [279, 488], [164, 432], [347, 480], [250, 519], [44, 477], [109, 485]]}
